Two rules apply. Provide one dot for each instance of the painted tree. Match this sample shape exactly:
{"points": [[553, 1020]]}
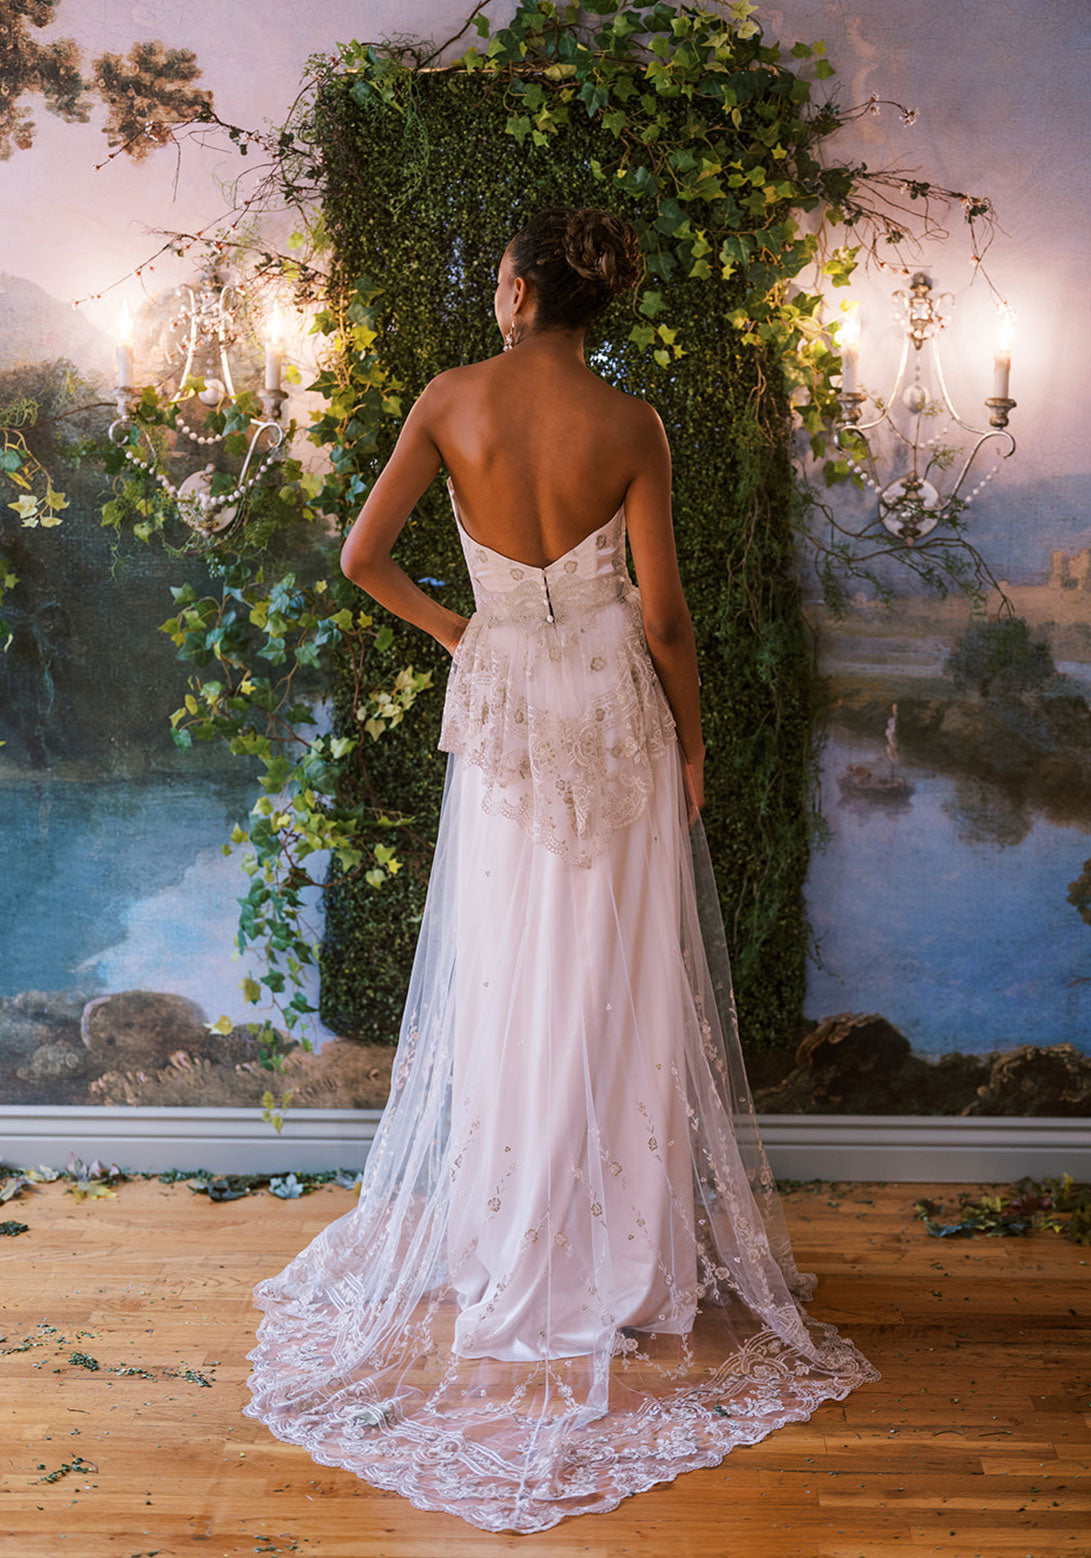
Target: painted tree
{"points": [[1079, 893], [1000, 659], [147, 94], [29, 67]]}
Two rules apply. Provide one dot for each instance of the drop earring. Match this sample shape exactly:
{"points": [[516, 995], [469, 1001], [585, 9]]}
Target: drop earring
{"points": [[509, 337]]}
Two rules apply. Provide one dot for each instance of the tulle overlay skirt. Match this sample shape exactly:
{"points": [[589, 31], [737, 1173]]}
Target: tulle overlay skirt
{"points": [[568, 1274]]}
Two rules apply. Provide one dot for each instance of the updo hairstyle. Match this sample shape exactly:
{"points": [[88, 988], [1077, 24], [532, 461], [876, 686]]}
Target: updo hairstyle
{"points": [[579, 259]]}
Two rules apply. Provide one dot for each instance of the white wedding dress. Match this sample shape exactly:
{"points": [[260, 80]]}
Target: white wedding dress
{"points": [[568, 1274]]}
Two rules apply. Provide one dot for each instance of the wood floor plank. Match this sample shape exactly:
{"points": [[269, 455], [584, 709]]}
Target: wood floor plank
{"points": [[975, 1444]]}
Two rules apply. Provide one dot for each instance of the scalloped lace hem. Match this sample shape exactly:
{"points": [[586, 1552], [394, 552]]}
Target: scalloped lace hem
{"points": [[527, 1512]]}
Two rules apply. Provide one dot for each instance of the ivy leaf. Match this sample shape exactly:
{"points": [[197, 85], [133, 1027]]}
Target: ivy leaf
{"points": [[91, 1190]]}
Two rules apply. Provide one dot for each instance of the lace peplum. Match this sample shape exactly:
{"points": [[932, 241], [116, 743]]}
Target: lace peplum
{"points": [[553, 695]]}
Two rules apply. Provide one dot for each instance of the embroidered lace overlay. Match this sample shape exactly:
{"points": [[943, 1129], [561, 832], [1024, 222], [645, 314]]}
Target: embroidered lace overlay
{"points": [[568, 1275], [553, 695]]}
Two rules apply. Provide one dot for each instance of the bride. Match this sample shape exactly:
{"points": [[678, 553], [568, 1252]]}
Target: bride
{"points": [[568, 1274]]}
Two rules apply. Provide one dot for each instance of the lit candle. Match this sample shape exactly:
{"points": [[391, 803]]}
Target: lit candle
{"points": [[1002, 359], [848, 344], [124, 347], [274, 349]]}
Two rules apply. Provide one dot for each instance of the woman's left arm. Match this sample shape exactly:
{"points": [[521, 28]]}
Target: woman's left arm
{"points": [[365, 556]]}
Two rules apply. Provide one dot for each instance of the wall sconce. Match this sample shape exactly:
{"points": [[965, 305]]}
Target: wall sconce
{"points": [[206, 323], [910, 504]]}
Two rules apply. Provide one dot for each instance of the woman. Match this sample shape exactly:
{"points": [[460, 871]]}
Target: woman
{"points": [[568, 1275]]}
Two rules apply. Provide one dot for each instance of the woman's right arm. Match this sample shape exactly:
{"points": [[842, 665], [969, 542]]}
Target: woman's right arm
{"points": [[668, 626]]}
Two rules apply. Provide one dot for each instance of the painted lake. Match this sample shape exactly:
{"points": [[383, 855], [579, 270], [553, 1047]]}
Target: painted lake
{"points": [[947, 913]]}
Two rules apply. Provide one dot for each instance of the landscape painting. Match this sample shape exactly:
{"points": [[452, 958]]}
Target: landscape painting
{"points": [[949, 887]]}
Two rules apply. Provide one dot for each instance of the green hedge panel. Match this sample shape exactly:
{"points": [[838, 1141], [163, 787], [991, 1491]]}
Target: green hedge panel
{"points": [[424, 204]]}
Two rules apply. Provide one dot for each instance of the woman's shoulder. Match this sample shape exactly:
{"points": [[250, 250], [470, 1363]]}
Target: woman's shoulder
{"points": [[631, 417], [453, 387], [448, 378], [461, 372], [497, 366]]}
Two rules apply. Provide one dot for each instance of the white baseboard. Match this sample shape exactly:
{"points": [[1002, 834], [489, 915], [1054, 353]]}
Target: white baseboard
{"points": [[941, 1148]]}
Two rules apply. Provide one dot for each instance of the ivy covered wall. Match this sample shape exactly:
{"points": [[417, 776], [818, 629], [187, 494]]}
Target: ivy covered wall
{"points": [[421, 197]]}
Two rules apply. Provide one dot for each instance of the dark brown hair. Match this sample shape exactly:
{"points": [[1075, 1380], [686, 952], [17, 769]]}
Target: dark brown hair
{"points": [[579, 259]]}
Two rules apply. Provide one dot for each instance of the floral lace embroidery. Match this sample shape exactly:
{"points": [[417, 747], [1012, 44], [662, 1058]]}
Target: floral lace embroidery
{"points": [[565, 718], [582, 1465]]}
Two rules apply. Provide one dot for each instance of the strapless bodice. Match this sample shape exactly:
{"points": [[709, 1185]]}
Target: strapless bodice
{"points": [[552, 691], [590, 572]]}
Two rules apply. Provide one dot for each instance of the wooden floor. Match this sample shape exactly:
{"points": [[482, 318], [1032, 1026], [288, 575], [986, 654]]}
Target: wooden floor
{"points": [[975, 1444]]}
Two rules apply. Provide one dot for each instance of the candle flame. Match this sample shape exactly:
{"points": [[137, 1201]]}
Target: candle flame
{"points": [[848, 326], [274, 327], [1005, 324], [125, 325]]}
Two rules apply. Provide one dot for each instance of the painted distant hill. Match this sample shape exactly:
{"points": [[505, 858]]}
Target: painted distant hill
{"points": [[35, 327]]}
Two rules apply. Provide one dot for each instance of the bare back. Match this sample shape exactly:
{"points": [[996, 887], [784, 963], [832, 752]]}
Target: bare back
{"points": [[540, 450], [542, 453]]}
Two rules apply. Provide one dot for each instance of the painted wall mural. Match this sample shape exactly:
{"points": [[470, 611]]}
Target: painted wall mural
{"points": [[951, 901], [957, 789]]}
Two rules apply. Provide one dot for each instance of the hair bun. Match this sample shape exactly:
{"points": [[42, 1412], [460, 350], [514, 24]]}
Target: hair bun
{"points": [[577, 260], [603, 248]]}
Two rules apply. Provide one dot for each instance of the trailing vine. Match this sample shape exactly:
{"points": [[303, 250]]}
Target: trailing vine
{"points": [[39, 502]]}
